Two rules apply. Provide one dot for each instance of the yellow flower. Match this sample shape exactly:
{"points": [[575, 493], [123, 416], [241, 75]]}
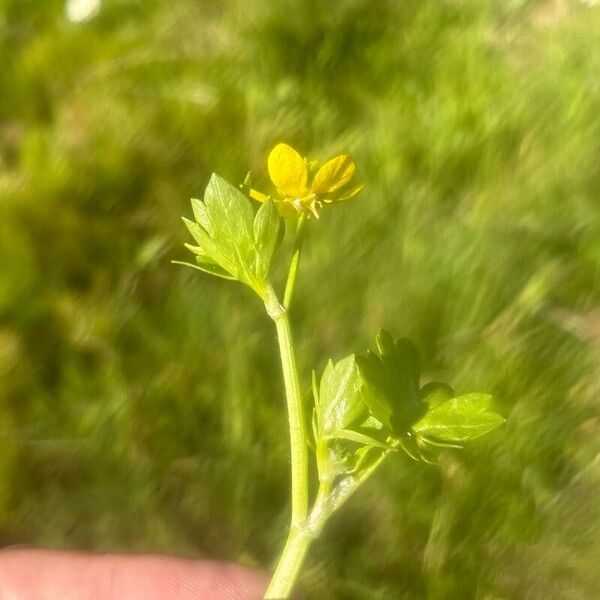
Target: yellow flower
{"points": [[290, 174]]}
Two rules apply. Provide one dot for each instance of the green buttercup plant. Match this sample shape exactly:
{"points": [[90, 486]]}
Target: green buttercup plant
{"points": [[363, 408]]}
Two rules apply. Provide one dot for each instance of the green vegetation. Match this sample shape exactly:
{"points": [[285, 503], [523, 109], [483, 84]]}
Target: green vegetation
{"points": [[127, 419], [367, 407]]}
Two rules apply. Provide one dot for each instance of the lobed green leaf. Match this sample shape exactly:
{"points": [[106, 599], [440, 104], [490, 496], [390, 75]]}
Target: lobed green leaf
{"points": [[233, 243], [435, 393], [391, 383], [459, 419], [340, 403], [267, 227], [201, 215]]}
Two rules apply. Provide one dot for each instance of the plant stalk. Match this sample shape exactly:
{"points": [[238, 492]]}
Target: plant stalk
{"points": [[290, 284], [327, 502], [298, 446], [298, 541], [289, 564]]}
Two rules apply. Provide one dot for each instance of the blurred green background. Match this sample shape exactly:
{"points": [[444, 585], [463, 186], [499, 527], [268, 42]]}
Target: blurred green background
{"points": [[141, 404]]}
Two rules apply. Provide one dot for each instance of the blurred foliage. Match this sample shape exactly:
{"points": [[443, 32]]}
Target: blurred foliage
{"points": [[141, 404]]}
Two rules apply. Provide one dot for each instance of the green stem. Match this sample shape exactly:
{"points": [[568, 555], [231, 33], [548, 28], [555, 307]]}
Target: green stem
{"points": [[299, 454], [299, 539], [295, 549], [297, 543], [290, 284], [298, 445]]}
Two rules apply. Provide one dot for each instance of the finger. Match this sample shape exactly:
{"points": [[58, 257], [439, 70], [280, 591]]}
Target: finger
{"points": [[50, 575]]}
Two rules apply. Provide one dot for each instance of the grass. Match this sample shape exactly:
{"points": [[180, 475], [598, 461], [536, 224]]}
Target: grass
{"points": [[141, 405]]}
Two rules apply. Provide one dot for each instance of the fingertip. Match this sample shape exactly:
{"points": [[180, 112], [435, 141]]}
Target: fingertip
{"points": [[27, 574]]}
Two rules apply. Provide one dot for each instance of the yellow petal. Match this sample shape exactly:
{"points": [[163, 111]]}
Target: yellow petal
{"points": [[335, 173], [288, 171], [349, 193], [256, 195]]}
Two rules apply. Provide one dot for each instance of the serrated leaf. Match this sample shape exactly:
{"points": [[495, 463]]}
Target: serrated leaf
{"points": [[267, 225], [435, 393], [229, 210], [231, 241], [204, 241], [231, 216], [340, 403], [209, 248], [392, 382], [201, 215], [198, 233], [402, 352], [459, 419], [374, 392], [206, 267]]}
